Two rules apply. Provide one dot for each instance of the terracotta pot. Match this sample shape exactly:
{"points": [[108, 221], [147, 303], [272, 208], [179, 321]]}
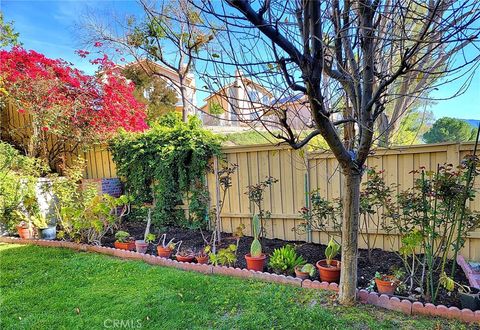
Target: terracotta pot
{"points": [[141, 246], [300, 274], [386, 285], [24, 233], [329, 273], [131, 246], [255, 263], [202, 259], [125, 245], [163, 252], [185, 258]]}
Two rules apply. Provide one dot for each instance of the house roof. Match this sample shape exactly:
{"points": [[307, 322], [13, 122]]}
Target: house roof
{"points": [[246, 81]]}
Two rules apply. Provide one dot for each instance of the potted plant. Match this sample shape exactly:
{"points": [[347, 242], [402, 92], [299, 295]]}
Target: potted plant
{"points": [[328, 268], [24, 231], [469, 297], [45, 230], [185, 255], [124, 241], [202, 256], [386, 284], [165, 249], [284, 260], [141, 245], [256, 259], [305, 271]]}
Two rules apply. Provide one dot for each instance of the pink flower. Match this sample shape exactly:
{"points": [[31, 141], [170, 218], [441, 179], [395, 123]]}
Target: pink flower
{"points": [[82, 53], [98, 44]]}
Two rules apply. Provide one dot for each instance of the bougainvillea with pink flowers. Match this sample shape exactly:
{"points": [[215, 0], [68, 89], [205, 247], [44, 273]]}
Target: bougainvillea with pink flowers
{"points": [[67, 109]]}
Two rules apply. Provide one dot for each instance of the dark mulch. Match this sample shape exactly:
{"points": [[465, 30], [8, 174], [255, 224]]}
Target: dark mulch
{"points": [[381, 261]]}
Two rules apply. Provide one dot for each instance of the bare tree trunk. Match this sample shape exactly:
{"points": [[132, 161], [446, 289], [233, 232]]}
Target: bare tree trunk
{"points": [[351, 216]]}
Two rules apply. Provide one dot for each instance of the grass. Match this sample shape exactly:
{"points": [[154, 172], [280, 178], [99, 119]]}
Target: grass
{"points": [[50, 288]]}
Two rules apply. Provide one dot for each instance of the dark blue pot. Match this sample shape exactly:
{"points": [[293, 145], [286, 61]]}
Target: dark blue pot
{"points": [[49, 233]]}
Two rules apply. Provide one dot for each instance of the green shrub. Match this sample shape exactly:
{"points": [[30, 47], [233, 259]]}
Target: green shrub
{"points": [[166, 165], [84, 216], [285, 259], [225, 257], [18, 177]]}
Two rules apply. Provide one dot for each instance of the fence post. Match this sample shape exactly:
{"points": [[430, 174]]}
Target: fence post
{"points": [[217, 200], [307, 196]]}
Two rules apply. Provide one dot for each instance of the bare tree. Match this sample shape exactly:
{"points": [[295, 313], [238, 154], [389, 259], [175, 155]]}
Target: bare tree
{"points": [[170, 33], [351, 60]]}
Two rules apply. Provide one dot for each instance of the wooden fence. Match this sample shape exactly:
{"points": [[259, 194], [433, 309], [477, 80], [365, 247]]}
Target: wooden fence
{"points": [[298, 172]]}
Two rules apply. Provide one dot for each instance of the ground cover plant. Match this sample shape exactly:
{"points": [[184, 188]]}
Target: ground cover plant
{"points": [[58, 288]]}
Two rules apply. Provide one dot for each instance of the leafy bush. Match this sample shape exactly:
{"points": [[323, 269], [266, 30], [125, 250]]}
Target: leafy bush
{"points": [[18, 178], [166, 165], [225, 257], [285, 259], [433, 220], [84, 216]]}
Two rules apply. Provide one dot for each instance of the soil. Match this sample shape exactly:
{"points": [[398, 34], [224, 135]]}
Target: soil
{"points": [[382, 261]]}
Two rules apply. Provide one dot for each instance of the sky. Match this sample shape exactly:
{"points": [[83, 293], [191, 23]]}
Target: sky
{"points": [[49, 27]]}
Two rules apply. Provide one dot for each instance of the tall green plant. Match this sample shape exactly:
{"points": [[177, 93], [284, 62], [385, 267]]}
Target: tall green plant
{"points": [[433, 220], [166, 165], [256, 247]]}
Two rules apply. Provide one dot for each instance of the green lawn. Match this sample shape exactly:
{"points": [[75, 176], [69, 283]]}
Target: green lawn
{"points": [[50, 288]]}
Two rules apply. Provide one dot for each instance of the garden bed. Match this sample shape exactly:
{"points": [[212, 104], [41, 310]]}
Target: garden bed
{"points": [[383, 261]]}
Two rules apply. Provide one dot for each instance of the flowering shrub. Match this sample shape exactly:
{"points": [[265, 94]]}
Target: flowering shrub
{"points": [[67, 108]]}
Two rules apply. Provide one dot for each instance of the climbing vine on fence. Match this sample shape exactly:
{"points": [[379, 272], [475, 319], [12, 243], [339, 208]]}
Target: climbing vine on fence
{"points": [[166, 165]]}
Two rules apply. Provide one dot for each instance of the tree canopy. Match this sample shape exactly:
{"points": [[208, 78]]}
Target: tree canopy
{"points": [[152, 91], [66, 104], [448, 129]]}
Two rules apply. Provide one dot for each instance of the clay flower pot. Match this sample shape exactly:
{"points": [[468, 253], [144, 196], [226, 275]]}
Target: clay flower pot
{"points": [[329, 273], [163, 252], [141, 246], [386, 285], [255, 263], [300, 274], [130, 246], [24, 233], [202, 259], [188, 258]]}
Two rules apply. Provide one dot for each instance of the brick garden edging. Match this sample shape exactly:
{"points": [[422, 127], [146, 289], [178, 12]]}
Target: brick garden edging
{"points": [[365, 297]]}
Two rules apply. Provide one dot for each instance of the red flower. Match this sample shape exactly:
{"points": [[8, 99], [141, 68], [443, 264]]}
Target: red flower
{"points": [[45, 128], [22, 111]]}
